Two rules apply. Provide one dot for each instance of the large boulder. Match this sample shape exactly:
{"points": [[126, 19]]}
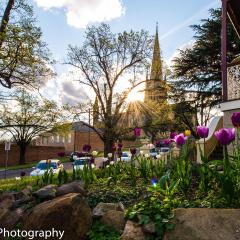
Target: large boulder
{"points": [[133, 231], [103, 208], [70, 213], [73, 187], [115, 219], [46, 193], [205, 224], [9, 218]]}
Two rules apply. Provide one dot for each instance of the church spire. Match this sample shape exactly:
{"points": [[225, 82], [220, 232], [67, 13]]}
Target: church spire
{"points": [[156, 70]]}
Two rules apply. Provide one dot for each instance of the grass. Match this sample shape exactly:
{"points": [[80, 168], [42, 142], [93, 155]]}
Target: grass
{"points": [[32, 164], [11, 184]]}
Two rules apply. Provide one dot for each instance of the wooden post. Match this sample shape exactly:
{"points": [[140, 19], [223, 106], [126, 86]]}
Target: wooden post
{"points": [[224, 50]]}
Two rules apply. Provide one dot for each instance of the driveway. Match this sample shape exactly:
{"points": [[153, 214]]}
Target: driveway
{"points": [[17, 173]]}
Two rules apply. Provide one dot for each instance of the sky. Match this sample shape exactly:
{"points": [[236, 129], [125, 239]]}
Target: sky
{"points": [[63, 22]]}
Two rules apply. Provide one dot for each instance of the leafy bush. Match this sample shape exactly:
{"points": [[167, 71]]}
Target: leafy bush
{"points": [[100, 231], [157, 206]]}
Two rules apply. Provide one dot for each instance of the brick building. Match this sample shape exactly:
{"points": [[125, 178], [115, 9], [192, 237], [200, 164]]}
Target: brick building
{"points": [[73, 140], [33, 154]]}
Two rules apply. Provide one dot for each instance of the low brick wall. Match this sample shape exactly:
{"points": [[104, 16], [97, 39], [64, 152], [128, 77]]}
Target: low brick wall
{"points": [[33, 154]]}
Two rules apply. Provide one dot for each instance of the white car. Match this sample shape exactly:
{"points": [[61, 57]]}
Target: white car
{"points": [[80, 162], [46, 165], [125, 156]]}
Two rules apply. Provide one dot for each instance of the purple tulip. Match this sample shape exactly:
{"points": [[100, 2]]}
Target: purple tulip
{"points": [[133, 151], [202, 131], [225, 135], [173, 135], [180, 139], [137, 132], [236, 119], [114, 147], [119, 149], [167, 141], [86, 148], [158, 144], [61, 154], [120, 145]]}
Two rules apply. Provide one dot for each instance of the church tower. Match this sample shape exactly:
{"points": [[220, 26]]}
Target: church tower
{"points": [[155, 88]]}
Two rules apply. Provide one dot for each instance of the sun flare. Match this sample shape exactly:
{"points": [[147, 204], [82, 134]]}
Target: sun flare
{"points": [[137, 94]]}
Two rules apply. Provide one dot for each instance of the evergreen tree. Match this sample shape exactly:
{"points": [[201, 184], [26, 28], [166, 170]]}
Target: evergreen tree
{"points": [[197, 69]]}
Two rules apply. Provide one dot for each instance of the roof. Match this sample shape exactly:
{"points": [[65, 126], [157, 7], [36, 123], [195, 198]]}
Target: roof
{"points": [[82, 127], [234, 14]]}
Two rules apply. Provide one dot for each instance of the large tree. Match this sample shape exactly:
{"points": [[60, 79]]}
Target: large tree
{"points": [[24, 57], [197, 69], [26, 118], [103, 59]]}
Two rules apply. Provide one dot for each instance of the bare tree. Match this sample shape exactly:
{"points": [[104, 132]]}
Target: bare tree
{"points": [[29, 118], [103, 59]]}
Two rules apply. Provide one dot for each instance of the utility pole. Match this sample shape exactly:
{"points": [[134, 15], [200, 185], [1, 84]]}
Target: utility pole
{"points": [[89, 133]]}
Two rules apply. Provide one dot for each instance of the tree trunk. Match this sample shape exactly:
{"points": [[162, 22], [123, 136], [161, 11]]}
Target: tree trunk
{"points": [[108, 143], [22, 152], [5, 20]]}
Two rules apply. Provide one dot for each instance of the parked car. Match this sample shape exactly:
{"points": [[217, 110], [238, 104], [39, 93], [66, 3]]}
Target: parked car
{"points": [[164, 149], [153, 152], [125, 156], [46, 165], [80, 162], [74, 155]]}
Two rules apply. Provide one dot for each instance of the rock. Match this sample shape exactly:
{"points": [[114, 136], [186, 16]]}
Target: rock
{"points": [[73, 187], [102, 208], [22, 201], [27, 191], [132, 231], [149, 228], [46, 193], [205, 224], [11, 218], [6, 202], [115, 219], [69, 212]]}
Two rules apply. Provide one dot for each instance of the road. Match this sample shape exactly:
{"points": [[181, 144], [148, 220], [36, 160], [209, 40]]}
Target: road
{"points": [[17, 173]]}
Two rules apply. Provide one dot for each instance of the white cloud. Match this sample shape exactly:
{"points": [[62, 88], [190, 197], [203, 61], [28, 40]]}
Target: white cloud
{"points": [[65, 90], [176, 53], [80, 13]]}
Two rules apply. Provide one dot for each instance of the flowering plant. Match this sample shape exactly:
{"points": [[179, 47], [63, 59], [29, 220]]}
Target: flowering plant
{"points": [[86, 148]]}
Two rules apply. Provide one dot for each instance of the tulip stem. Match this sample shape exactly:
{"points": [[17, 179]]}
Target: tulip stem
{"points": [[225, 160]]}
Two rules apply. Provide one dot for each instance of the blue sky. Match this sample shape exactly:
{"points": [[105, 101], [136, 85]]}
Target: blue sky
{"points": [[139, 14], [57, 17]]}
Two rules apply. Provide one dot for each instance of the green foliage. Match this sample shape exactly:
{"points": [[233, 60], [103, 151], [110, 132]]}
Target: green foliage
{"points": [[100, 231], [197, 70], [157, 206], [47, 177], [122, 192], [23, 54], [87, 174], [183, 169]]}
